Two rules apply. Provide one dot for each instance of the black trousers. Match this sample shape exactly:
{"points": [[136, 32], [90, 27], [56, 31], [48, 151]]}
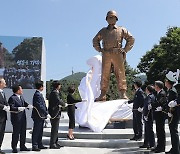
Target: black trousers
{"points": [[71, 115], [2, 130], [19, 130], [54, 131], [160, 131], [37, 133], [149, 138], [173, 127], [137, 124]]}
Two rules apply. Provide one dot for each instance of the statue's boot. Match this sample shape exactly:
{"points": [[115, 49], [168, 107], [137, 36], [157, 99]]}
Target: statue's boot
{"points": [[122, 94], [102, 96]]}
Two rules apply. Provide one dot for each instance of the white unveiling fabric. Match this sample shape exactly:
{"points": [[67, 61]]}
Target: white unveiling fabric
{"points": [[96, 115]]}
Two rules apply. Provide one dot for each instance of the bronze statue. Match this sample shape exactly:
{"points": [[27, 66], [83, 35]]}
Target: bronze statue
{"points": [[113, 54]]}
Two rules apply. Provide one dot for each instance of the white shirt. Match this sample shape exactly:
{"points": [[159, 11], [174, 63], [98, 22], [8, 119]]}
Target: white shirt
{"points": [[159, 91], [19, 96]]}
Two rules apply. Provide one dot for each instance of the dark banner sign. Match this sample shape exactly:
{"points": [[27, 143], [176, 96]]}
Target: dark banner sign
{"points": [[20, 60]]}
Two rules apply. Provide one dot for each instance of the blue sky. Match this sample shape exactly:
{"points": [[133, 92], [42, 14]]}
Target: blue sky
{"points": [[10, 42], [68, 27]]}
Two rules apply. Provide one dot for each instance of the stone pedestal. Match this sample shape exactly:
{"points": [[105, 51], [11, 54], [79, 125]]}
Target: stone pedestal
{"points": [[119, 124]]}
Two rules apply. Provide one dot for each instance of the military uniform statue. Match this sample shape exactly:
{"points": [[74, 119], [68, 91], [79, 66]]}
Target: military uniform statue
{"points": [[113, 54]]}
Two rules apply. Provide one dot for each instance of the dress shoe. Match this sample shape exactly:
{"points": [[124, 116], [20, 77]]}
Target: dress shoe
{"points": [[134, 138], [153, 148], [42, 147], [58, 145], [138, 139], [159, 151], [14, 151], [24, 149], [143, 146], [54, 146], [150, 148], [35, 149], [2, 152], [70, 138]]}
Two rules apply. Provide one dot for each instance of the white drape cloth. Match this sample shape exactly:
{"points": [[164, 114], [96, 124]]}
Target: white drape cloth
{"points": [[96, 115]]}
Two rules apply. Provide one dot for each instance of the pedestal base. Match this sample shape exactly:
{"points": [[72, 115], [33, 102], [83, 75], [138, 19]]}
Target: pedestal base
{"points": [[119, 124]]}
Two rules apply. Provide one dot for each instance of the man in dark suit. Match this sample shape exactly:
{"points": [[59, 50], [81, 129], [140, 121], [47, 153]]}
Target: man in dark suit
{"points": [[18, 118], [149, 138], [138, 103], [55, 104], [159, 116], [173, 116], [39, 114], [3, 109]]}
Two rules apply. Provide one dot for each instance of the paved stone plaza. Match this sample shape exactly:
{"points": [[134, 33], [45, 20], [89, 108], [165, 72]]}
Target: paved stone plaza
{"points": [[115, 141]]}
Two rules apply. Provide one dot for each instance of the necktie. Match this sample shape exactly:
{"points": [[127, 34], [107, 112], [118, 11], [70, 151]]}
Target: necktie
{"points": [[22, 101], [2, 93]]}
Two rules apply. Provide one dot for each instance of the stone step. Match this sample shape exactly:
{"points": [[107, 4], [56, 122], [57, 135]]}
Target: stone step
{"points": [[95, 136], [86, 133], [108, 138], [97, 143]]}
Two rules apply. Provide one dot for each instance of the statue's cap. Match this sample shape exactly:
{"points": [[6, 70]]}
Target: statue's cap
{"points": [[112, 13]]}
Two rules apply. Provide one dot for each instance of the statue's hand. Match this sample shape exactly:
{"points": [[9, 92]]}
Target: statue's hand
{"points": [[123, 53]]}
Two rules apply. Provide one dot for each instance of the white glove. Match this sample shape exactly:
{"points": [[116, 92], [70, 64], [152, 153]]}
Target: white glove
{"points": [[159, 108], [66, 104], [48, 116], [30, 106], [60, 106], [21, 109], [145, 118], [140, 109], [6, 108], [149, 107], [172, 104], [169, 115]]}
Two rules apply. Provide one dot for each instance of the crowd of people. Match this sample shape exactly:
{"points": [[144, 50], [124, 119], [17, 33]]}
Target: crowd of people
{"points": [[17, 105], [157, 103], [24, 76], [149, 103]]}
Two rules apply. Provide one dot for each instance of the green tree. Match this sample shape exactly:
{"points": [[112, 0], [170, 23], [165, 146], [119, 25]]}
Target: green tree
{"points": [[162, 57], [29, 49], [113, 92], [7, 56], [64, 87]]}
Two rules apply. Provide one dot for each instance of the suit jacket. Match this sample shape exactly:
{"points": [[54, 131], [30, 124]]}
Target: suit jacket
{"points": [[160, 100], [54, 102], [3, 114], [178, 102], [171, 95], [40, 105], [148, 100], [71, 100], [138, 100], [14, 103]]}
